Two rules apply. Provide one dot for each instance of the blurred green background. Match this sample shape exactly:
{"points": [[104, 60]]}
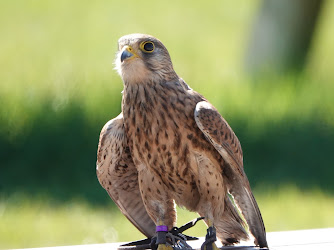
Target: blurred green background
{"points": [[58, 88]]}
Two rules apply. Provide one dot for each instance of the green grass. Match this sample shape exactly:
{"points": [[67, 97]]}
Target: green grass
{"points": [[291, 208], [58, 88], [42, 222], [62, 52]]}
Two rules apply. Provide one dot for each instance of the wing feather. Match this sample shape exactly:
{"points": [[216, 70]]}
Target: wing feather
{"points": [[222, 137], [118, 175]]}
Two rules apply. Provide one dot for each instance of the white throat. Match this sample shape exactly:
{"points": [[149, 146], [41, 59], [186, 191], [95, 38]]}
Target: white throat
{"points": [[133, 70]]}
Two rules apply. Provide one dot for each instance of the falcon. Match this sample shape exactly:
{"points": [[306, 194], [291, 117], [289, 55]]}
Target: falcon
{"points": [[170, 146]]}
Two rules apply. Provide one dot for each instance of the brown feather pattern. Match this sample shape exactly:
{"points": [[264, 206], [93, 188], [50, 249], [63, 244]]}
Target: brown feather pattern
{"points": [[183, 151], [119, 177]]}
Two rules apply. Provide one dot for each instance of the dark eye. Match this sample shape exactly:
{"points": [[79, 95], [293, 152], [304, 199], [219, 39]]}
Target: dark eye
{"points": [[147, 47]]}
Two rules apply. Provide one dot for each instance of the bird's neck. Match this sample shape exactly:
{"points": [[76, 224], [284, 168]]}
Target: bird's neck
{"points": [[147, 97], [135, 94], [132, 76]]}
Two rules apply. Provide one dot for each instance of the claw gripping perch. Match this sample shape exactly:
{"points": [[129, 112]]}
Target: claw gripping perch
{"points": [[176, 235]]}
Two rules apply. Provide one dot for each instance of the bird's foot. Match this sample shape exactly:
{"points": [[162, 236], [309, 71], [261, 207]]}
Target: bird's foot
{"points": [[210, 238], [169, 241], [178, 241]]}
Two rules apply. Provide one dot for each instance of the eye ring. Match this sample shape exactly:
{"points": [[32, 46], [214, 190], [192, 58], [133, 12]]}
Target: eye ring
{"points": [[147, 47]]}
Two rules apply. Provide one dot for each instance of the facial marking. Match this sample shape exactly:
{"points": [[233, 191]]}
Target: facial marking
{"points": [[151, 62]]}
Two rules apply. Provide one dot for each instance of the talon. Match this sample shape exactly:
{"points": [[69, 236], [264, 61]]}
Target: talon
{"points": [[210, 238], [169, 241], [166, 240]]}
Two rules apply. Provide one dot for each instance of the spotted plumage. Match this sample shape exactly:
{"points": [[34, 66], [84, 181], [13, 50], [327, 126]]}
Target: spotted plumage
{"points": [[176, 147]]}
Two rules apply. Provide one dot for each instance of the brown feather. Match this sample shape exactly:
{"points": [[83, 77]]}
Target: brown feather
{"points": [[220, 134], [194, 160], [119, 177]]}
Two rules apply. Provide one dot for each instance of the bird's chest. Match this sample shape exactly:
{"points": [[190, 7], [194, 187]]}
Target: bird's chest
{"points": [[164, 139], [160, 133]]}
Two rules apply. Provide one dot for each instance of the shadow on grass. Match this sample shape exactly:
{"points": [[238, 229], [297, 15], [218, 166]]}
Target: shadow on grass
{"points": [[57, 156]]}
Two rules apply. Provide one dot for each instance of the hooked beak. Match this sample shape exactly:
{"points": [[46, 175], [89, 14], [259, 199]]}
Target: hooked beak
{"points": [[127, 53]]}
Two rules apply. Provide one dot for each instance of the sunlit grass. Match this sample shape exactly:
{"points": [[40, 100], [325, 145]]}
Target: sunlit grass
{"points": [[42, 222], [290, 208], [60, 53]]}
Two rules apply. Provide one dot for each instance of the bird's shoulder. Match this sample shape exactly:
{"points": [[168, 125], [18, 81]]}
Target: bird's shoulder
{"points": [[111, 141], [219, 133]]}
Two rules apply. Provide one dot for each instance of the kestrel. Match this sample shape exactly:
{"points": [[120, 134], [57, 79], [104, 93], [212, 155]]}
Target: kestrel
{"points": [[170, 145]]}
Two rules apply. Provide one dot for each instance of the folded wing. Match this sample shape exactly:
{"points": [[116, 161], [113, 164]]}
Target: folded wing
{"points": [[118, 175], [220, 134]]}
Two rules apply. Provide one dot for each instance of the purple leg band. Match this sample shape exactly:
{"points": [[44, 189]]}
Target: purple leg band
{"points": [[161, 228]]}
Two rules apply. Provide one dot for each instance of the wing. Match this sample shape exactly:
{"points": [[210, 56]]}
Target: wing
{"points": [[118, 175], [220, 134]]}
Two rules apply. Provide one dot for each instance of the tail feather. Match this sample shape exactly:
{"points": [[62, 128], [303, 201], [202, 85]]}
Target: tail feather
{"points": [[230, 227], [245, 200]]}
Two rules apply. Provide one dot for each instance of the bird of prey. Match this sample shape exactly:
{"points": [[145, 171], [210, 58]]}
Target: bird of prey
{"points": [[170, 146]]}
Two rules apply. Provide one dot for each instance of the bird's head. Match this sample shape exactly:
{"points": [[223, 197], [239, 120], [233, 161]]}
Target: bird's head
{"points": [[143, 59]]}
